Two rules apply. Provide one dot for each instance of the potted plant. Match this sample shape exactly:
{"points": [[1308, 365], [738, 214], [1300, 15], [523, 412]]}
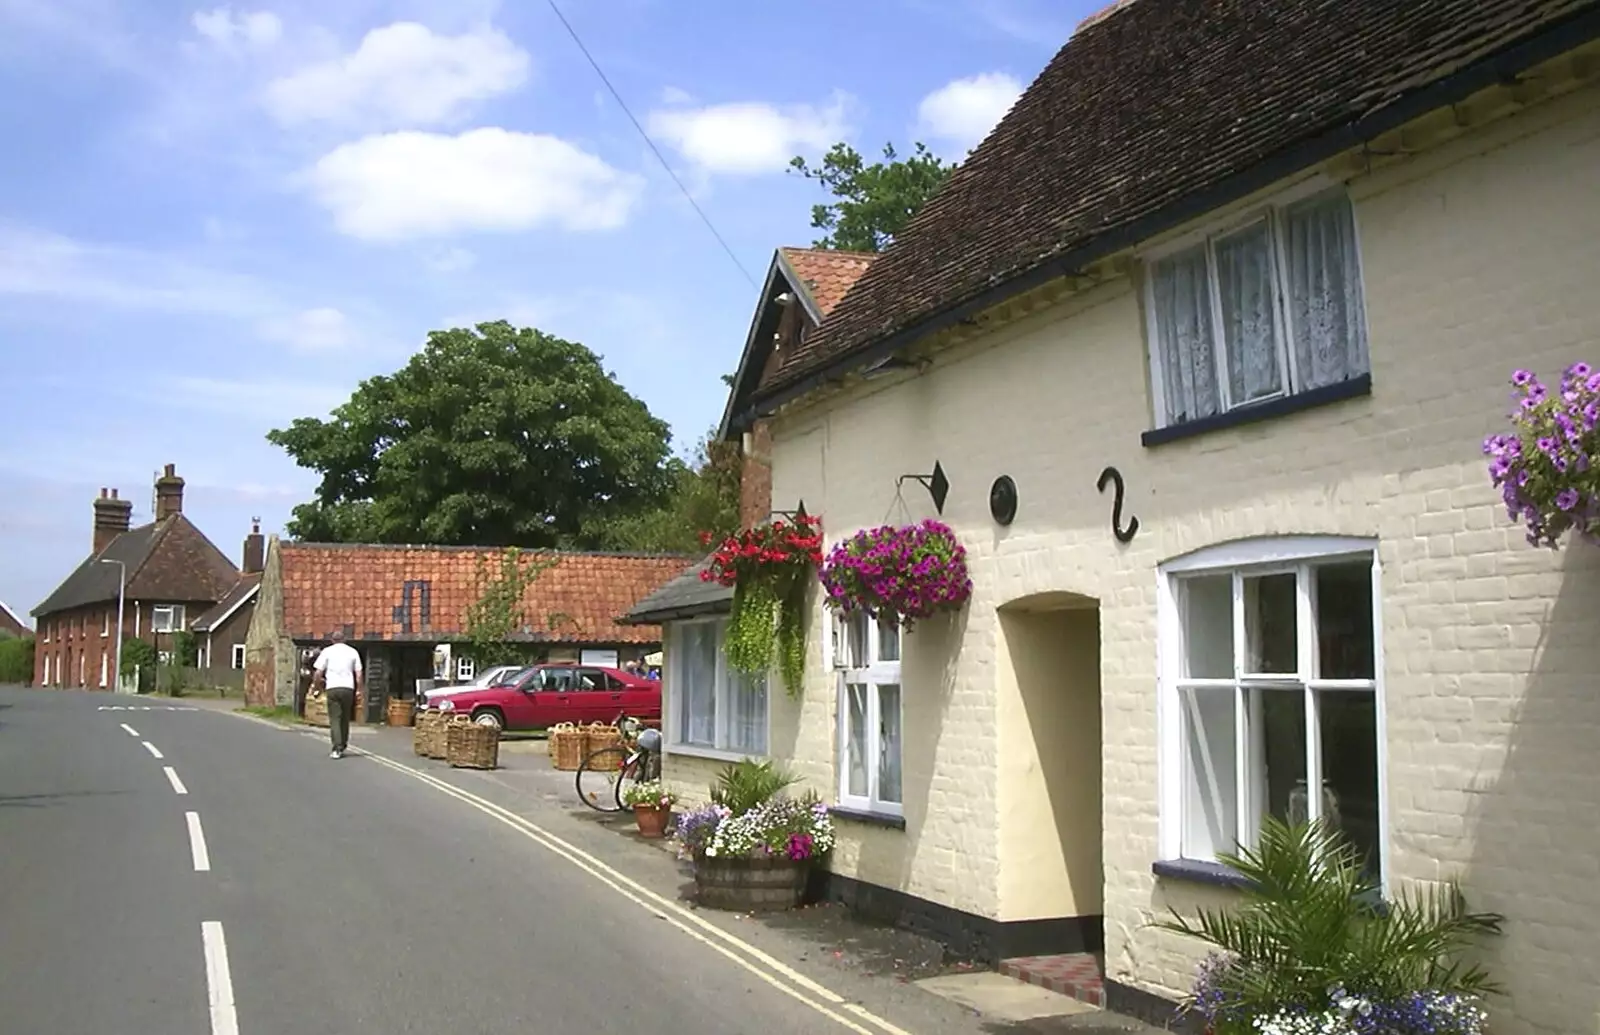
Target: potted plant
{"points": [[899, 574], [652, 806], [1548, 467], [1310, 948], [769, 568]]}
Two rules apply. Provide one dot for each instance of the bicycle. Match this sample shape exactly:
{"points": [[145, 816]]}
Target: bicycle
{"points": [[604, 776]]}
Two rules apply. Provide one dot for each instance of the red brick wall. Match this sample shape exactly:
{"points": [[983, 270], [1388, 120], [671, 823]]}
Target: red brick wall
{"points": [[755, 477], [77, 633]]}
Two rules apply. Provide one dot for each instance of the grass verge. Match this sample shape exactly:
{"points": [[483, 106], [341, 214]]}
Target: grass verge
{"points": [[276, 712]]}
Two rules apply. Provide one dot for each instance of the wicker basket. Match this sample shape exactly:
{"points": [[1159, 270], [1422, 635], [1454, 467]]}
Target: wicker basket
{"points": [[438, 737], [401, 711], [316, 710], [566, 746], [598, 736], [472, 746], [422, 732]]}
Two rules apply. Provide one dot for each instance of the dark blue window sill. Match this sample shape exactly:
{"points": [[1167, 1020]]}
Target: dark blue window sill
{"points": [[871, 819], [1354, 388], [1219, 876]]}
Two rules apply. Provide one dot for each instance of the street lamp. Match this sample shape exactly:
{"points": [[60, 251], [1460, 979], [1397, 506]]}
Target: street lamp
{"points": [[122, 586]]}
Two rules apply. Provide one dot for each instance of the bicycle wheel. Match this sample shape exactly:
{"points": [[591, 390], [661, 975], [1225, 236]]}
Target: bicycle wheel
{"points": [[634, 771], [599, 779]]}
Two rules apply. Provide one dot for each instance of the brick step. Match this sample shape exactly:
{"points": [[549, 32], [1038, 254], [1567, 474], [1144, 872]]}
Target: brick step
{"points": [[1080, 975]]}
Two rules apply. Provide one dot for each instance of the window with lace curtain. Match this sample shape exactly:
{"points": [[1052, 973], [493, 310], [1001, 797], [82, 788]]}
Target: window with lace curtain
{"points": [[1267, 308], [715, 708]]}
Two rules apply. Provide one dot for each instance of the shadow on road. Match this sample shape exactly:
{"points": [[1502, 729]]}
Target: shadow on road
{"points": [[33, 801]]}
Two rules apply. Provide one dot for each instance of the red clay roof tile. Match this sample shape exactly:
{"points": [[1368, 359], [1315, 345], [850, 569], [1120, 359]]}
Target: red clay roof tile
{"points": [[827, 274]]}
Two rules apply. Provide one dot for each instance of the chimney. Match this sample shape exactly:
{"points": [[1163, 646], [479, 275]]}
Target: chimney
{"points": [[169, 493], [755, 476], [255, 549], [112, 516]]}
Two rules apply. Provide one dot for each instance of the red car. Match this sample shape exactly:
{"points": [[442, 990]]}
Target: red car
{"points": [[543, 695]]}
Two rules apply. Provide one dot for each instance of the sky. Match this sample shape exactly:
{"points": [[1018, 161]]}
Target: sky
{"points": [[216, 219]]}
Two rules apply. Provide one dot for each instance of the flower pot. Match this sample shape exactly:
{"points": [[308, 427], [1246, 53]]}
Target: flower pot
{"points": [[652, 820], [747, 885]]}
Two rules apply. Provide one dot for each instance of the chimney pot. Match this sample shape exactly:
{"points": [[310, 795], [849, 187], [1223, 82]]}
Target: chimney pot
{"points": [[169, 493], [112, 517]]}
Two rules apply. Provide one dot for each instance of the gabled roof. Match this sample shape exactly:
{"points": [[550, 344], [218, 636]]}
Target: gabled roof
{"points": [[820, 277], [241, 594], [685, 596], [169, 560], [1156, 113], [10, 617], [423, 593]]}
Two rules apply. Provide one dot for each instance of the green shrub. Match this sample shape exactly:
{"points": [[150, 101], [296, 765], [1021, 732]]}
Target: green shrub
{"points": [[16, 659], [743, 785]]}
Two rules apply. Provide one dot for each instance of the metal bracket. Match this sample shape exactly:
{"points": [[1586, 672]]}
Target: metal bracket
{"points": [[936, 483]]}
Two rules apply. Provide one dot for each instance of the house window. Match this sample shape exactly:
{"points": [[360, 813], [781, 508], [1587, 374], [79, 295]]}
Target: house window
{"points": [[1266, 309], [1270, 663], [103, 668], [715, 707], [866, 655], [238, 655], [105, 624], [166, 618], [466, 668]]}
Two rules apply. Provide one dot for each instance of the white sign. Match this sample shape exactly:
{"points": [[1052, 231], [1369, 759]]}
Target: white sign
{"points": [[603, 658]]}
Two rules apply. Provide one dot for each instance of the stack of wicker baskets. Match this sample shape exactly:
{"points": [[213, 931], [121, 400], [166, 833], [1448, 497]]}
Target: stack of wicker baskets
{"points": [[422, 732], [316, 710], [471, 745], [598, 735], [566, 746], [401, 711]]}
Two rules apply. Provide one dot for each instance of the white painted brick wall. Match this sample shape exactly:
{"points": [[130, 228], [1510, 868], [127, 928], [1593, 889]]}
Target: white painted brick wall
{"points": [[1478, 258]]}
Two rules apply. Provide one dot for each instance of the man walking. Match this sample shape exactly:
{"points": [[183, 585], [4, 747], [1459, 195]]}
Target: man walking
{"points": [[337, 670]]}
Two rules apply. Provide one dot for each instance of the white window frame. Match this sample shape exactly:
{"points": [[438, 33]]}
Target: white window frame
{"points": [[466, 670], [105, 624], [104, 664], [722, 687], [174, 615], [1256, 557], [237, 656], [874, 674], [1207, 236]]}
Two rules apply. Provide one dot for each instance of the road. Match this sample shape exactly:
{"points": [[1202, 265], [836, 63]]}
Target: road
{"points": [[173, 871]]}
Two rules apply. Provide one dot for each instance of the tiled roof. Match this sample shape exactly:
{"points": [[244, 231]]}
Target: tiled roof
{"points": [[1152, 114], [423, 593], [241, 590], [827, 274], [9, 619], [169, 559], [685, 596]]}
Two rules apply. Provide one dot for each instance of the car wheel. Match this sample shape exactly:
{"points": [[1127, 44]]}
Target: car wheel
{"points": [[489, 719]]}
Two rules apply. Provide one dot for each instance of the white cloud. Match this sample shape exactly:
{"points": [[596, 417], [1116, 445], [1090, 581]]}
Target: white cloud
{"points": [[965, 110], [397, 186], [451, 260], [750, 137], [676, 95], [312, 330], [402, 75], [229, 30]]}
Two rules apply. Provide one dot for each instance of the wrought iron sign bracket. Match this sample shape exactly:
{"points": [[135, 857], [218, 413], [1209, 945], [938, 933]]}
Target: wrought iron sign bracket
{"points": [[1114, 476], [936, 483], [797, 514]]}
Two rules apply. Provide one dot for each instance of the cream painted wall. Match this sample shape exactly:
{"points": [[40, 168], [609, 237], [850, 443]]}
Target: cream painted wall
{"points": [[1479, 257], [1048, 685]]}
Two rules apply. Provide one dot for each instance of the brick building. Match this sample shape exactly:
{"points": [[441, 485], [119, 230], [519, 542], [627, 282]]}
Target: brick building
{"points": [[172, 573], [221, 631], [397, 604], [1207, 336], [11, 623]]}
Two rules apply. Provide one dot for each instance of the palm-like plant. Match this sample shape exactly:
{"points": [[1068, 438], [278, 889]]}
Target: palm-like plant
{"points": [[1311, 929]]}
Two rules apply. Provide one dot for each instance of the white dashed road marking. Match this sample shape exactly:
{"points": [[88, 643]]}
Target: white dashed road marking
{"points": [[152, 749], [131, 731], [197, 843], [141, 708], [219, 980], [172, 778]]}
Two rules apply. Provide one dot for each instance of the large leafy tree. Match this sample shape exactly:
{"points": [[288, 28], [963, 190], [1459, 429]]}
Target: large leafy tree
{"points": [[704, 498], [493, 436], [872, 201]]}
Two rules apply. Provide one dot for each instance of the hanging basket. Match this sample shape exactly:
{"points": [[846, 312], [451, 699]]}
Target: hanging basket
{"points": [[401, 711], [316, 710], [899, 575], [469, 745], [566, 746]]}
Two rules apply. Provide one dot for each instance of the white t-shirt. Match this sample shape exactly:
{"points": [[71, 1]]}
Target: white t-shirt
{"points": [[339, 664]]}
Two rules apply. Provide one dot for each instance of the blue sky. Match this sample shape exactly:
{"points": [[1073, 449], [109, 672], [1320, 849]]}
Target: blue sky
{"points": [[215, 219]]}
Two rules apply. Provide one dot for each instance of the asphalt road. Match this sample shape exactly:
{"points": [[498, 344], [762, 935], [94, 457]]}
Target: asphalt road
{"points": [[308, 895]]}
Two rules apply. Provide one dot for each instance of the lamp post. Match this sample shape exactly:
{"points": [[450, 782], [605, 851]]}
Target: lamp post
{"points": [[122, 586]]}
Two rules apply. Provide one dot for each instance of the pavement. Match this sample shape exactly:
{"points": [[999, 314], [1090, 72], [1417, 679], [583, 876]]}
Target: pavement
{"points": [[174, 866]]}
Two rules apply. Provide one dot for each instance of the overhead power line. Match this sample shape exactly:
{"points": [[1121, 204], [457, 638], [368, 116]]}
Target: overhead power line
{"points": [[651, 143]]}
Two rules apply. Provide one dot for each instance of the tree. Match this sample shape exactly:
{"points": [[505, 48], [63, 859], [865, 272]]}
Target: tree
{"points": [[704, 497], [16, 659], [499, 612], [873, 201], [492, 436]]}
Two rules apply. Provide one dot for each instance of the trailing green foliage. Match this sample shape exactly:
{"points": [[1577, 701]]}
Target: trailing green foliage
{"points": [[499, 613], [1311, 928], [137, 654], [185, 649], [743, 785], [16, 659]]}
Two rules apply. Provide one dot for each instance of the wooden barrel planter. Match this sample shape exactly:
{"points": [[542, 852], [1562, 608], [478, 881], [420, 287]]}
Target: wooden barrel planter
{"points": [[469, 745], [316, 710], [401, 711], [750, 885]]}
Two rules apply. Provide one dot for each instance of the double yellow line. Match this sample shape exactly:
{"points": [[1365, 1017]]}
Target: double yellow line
{"points": [[774, 972]]}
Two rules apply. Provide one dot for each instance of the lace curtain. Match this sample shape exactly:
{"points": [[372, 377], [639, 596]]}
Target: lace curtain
{"points": [[1244, 281], [1324, 293], [1182, 292], [747, 713], [696, 684]]}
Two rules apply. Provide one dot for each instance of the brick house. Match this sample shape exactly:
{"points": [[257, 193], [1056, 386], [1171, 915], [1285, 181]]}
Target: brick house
{"points": [[221, 630], [11, 623], [398, 604], [173, 572], [1271, 264]]}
